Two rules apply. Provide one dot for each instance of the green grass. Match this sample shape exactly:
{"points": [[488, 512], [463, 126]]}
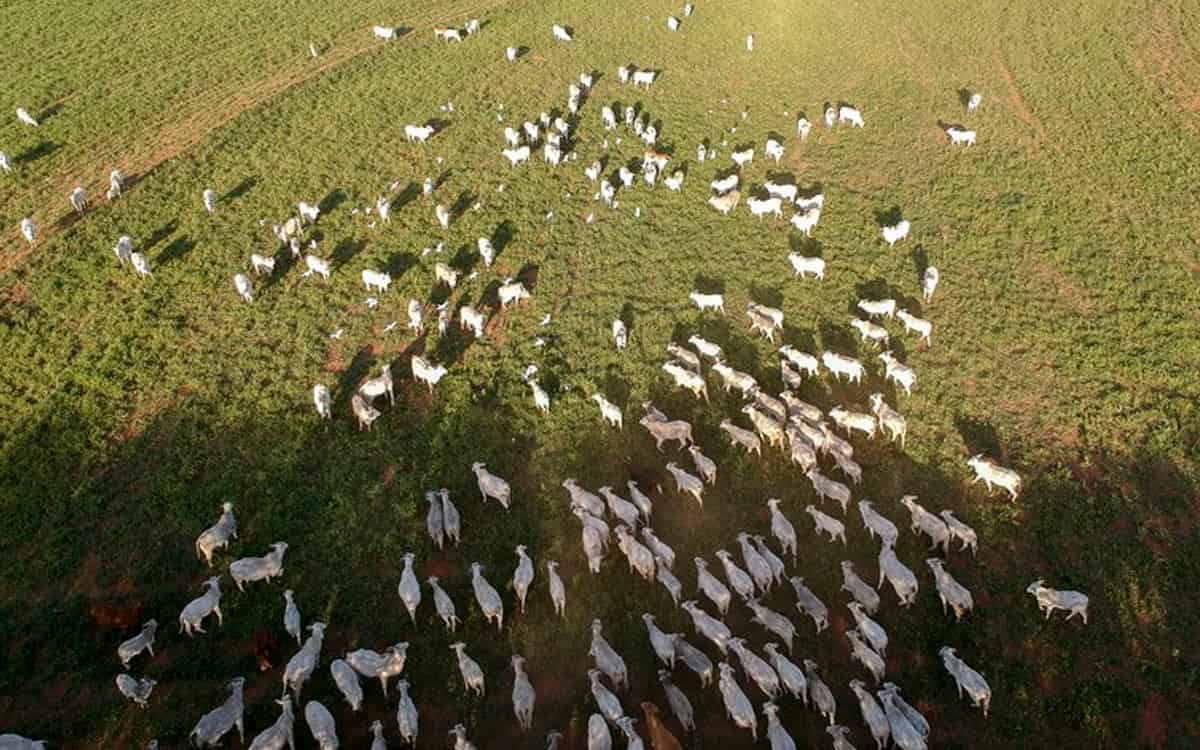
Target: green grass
{"points": [[1065, 345]]}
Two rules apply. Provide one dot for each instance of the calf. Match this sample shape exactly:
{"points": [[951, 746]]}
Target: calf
{"points": [[116, 616]]}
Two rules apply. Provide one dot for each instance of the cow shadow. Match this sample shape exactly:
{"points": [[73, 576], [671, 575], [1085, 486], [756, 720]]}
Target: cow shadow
{"points": [[802, 339], [438, 124], [41, 150], [176, 250], [726, 173], [243, 187], [349, 379], [398, 264], [157, 236], [443, 177], [978, 435], [528, 275], [889, 217], [346, 250], [837, 337], [464, 201], [771, 296], [616, 386], [502, 236], [920, 261], [451, 347], [406, 196], [805, 246], [628, 316], [780, 177], [964, 97], [490, 296], [522, 51], [464, 260], [332, 200], [49, 113], [708, 284], [738, 348], [876, 288], [810, 191]]}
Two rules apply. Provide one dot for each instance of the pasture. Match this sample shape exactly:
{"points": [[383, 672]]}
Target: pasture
{"points": [[1065, 344]]}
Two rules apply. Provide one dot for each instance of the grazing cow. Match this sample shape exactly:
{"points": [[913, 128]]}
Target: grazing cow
{"points": [[417, 133], [805, 220], [245, 290], [761, 208], [896, 232], [803, 265], [78, 200], [725, 203], [958, 136], [386, 33], [516, 156], [850, 115], [116, 616]]}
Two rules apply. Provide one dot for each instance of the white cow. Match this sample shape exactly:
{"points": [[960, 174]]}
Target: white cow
{"points": [[78, 199], [316, 265], [850, 115], [516, 156], [376, 280], [416, 133], [708, 301], [140, 265], [644, 78], [725, 203], [839, 365], [1048, 599], [725, 184], [244, 288], [897, 232], [993, 474], [427, 372], [511, 292], [929, 283], [803, 265], [806, 220], [742, 158], [386, 33], [958, 136]]}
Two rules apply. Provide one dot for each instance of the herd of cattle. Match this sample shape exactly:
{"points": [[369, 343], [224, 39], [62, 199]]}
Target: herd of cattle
{"points": [[807, 434]]}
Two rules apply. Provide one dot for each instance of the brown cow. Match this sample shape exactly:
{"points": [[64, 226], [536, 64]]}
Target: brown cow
{"points": [[116, 616], [660, 737], [266, 649]]}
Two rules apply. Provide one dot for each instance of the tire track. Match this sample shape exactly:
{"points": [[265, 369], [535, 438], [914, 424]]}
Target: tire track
{"points": [[178, 137]]}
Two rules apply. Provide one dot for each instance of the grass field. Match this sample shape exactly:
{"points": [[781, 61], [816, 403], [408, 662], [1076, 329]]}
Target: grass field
{"points": [[1065, 346]]}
